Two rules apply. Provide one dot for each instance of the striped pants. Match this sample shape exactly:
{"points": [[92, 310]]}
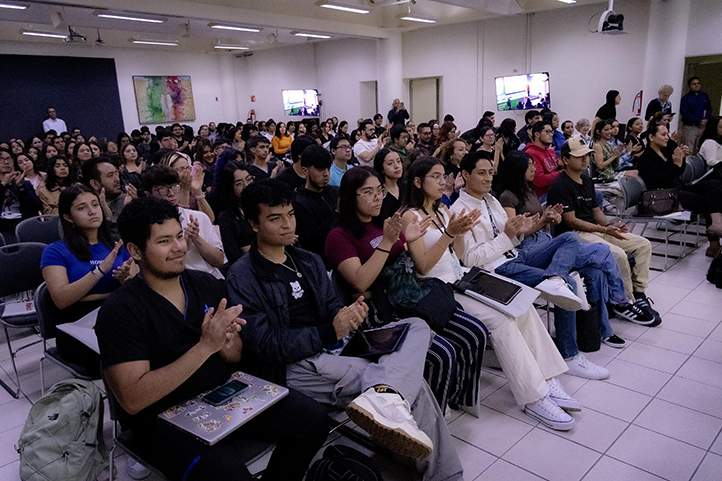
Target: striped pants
{"points": [[453, 361]]}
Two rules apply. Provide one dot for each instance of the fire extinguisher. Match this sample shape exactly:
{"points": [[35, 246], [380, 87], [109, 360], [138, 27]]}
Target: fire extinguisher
{"points": [[252, 115], [637, 104]]}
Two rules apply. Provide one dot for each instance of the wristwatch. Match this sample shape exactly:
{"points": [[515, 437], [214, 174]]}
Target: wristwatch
{"points": [[201, 196], [97, 271]]}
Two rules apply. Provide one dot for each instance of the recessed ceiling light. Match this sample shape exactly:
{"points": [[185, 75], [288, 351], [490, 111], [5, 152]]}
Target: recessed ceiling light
{"points": [[33, 33], [14, 6], [119, 16], [343, 8], [230, 47], [233, 27], [418, 19], [568, 1], [155, 42], [309, 35]]}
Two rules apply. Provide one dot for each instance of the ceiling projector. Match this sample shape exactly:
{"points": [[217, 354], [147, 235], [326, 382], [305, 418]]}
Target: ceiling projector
{"points": [[610, 22]]}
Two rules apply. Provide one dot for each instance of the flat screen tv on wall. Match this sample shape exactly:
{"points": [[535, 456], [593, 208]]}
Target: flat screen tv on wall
{"points": [[523, 92], [303, 103]]}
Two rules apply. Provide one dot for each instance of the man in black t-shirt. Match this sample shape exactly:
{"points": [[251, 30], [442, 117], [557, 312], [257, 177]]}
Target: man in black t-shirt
{"points": [[167, 335], [296, 326], [316, 204], [575, 191]]}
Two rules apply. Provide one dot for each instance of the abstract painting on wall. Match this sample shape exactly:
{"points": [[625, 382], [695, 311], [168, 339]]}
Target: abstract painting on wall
{"points": [[164, 98]]}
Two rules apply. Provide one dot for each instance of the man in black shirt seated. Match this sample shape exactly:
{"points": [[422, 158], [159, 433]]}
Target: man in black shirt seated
{"points": [[575, 191], [295, 322], [316, 204], [168, 335], [295, 176]]}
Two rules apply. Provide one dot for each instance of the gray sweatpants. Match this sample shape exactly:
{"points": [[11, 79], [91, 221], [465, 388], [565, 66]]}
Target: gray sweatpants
{"points": [[337, 380]]}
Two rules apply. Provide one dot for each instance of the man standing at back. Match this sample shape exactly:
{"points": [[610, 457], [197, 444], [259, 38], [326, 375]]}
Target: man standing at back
{"points": [[53, 122], [695, 108], [398, 113]]}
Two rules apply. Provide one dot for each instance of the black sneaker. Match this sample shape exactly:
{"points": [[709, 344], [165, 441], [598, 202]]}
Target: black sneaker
{"points": [[633, 313], [643, 302], [614, 341]]}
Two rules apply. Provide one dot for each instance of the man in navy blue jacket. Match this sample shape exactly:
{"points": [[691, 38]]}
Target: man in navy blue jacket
{"points": [[296, 324], [695, 108]]}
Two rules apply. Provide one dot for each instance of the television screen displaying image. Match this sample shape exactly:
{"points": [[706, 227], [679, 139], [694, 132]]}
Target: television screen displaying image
{"points": [[523, 92], [303, 103]]}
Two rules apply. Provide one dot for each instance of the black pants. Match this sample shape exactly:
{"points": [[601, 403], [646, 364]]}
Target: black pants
{"points": [[705, 196], [298, 424]]}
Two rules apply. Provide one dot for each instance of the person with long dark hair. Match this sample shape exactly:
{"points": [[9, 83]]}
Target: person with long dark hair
{"points": [[236, 232], [82, 270], [541, 258], [606, 158], [660, 170], [25, 164], [525, 350], [281, 140], [711, 143], [60, 175], [361, 246], [132, 166], [507, 132], [609, 109], [17, 195], [390, 168]]}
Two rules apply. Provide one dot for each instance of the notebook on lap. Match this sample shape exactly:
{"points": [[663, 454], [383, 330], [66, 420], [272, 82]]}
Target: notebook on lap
{"points": [[501, 293], [209, 419]]}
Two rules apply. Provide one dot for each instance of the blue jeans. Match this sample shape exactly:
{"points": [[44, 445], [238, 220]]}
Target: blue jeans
{"points": [[541, 257]]}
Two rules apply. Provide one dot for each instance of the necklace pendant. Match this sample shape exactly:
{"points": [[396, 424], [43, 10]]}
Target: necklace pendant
{"points": [[298, 274]]}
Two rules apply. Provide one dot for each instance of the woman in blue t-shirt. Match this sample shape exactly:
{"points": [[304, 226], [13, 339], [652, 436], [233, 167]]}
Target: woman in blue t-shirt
{"points": [[84, 268]]}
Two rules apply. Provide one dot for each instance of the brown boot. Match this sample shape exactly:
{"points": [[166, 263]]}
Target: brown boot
{"points": [[713, 249]]}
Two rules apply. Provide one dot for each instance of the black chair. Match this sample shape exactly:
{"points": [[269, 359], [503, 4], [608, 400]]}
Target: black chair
{"points": [[20, 272], [2, 240], [48, 316], [43, 228], [123, 438]]}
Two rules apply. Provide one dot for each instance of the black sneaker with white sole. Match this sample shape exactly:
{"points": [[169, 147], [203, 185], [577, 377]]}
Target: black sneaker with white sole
{"points": [[614, 341], [644, 303], [633, 313]]}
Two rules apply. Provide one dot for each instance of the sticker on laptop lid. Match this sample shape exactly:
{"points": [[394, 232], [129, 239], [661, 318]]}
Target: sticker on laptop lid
{"points": [[172, 412]]}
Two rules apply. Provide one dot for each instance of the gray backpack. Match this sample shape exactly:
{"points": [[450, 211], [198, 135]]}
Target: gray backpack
{"points": [[63, 436]]}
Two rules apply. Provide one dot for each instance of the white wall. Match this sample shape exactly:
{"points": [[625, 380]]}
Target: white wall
{"points": [[705, 19], [335, 68], [582, 66], [204, 70]]}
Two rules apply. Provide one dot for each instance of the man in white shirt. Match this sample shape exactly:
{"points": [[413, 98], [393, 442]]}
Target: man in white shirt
{"points": [[365, 149], [53, 122], [205, 248]]}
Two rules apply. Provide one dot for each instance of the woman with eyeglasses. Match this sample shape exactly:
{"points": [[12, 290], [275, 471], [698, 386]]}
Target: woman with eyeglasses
{"points": [[525, 350], [82, 270], [359, 248], [191, 194], [236, 232]]}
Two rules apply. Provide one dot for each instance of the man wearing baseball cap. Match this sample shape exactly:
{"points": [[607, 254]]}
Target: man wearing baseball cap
{"points": [[575, 191]]}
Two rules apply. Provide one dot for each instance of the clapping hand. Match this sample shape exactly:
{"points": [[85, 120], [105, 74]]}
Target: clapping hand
{"points": [[553, 214], [416, 230], [192, 229], [463, 222]]}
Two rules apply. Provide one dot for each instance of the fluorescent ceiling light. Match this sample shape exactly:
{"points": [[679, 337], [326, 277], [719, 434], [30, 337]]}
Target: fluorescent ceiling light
{"points": [[13, 6], [343, 8], [230, 47], [232, 27], [568, 1], [127, 17], [44, 34], [155, 42], [418, 19], [309, 35]]}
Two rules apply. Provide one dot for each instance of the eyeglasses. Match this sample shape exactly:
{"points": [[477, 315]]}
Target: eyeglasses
{"points": [[164, 190], [370, 194], [244, 182], [343, 147], [437, 177]]}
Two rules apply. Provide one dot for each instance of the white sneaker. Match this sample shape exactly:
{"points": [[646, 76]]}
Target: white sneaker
{"points": [[548, 413], [580, 366], [561, 398], [582, 294], [135, 469], [387, 418], [556, 291]]}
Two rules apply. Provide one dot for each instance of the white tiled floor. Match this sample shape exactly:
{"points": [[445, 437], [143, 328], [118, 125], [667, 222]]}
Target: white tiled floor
{"points": [[659, 416]]}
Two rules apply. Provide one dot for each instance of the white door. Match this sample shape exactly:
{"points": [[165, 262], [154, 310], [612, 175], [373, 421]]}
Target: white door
{"points": [[424, 94], [369, 100]]}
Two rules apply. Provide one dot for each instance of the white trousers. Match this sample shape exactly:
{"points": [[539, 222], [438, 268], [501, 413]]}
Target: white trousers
{"points": [[525, 350]]}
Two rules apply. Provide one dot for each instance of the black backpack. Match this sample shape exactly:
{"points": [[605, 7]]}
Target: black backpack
{"points": [[714, 274], [342, 463]]}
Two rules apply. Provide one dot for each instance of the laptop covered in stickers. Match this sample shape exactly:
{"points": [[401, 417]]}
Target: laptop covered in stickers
{"points": [[209, 424]]}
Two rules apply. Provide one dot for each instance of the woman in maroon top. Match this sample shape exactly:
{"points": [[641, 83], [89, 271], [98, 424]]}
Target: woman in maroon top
{"points": [[361, 245]]}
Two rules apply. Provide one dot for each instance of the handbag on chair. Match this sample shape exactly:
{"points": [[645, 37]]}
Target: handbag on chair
{"points": [[658, 202]]}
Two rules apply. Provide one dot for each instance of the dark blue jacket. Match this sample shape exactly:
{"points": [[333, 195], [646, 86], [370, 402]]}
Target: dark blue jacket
{"points": [[29, 202], [398, 117], [694, 108], [269, 342]]}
